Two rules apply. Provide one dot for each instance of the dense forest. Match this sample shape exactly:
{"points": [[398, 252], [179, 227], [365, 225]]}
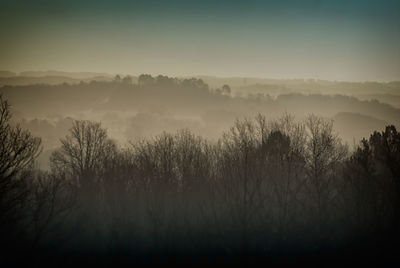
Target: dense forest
{"points": [[270, 186]]}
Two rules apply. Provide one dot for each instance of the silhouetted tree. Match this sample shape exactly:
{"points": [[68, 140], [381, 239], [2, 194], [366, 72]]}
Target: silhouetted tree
{"points": [[145, 80], [117, 79], [365, 198], [383, 153], [226, 89], [324, 153], [52, 201], [83, 157], [386, 148], [18, 150], [165, 81], [127, 80], [194, 83]]}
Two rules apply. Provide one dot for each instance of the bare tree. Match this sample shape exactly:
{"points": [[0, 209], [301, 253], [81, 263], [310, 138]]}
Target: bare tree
{"points": [[324, 152], [51, 203], [18, 150], [84, 153]]}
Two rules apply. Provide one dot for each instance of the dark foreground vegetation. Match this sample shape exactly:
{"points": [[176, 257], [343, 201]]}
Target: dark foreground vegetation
{"points": [[279, 190]]}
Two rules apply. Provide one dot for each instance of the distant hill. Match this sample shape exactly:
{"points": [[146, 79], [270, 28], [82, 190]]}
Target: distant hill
{"points": [[391, 99], [74, 75], [239, 85], [47, 80], [245, 85], [7, 74], [354, 126], [27, 80], [8, 78]]}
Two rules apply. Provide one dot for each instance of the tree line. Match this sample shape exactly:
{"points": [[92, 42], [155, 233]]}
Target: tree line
{"points": [[267, 188]]}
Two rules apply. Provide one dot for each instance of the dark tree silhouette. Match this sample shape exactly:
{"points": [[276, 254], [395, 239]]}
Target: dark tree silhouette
{"points": [[117, 79], [127, 80], [145, 80], [18, 150], [84, 152], [18, 147], [226, 89], [324, 153]]}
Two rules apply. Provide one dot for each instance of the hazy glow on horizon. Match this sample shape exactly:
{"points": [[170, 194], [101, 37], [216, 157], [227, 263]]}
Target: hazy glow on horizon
{"points": [[334, 40]]}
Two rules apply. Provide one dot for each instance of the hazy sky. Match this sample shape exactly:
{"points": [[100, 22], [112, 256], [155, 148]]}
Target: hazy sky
{"points": [[325, 39]]}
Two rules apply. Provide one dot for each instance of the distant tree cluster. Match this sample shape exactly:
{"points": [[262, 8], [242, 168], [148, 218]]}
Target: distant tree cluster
{"points": [[146, 80], [265, 188], [226, 90], [127, 80]]}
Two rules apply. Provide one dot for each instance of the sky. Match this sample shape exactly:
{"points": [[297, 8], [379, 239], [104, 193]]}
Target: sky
{"points": [[343, 40]]}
